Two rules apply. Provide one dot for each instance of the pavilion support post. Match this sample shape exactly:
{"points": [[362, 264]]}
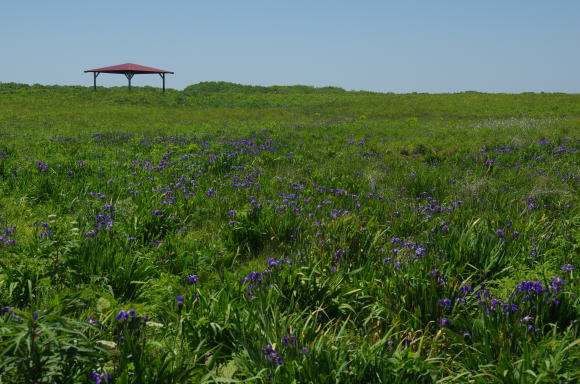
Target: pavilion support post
{"points": [[95, 74], [129, 77], [163, 78]]}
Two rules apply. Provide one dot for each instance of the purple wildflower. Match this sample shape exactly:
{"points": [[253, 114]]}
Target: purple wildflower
{"points": [[122, 315], [396, 240], [446, 302], [42, 167], [557, 283], [289, 339], [466, 288], [192, 279], [108, 207], [445, 322], [510, 307], [338, 254], [274, 262], [179, 302], [272, 355], [533, 287], [531, 328], [100, 378]]}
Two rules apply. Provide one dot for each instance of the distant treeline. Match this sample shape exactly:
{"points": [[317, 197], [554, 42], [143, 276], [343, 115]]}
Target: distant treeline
{"points": [[211, 87], [204, 88]]}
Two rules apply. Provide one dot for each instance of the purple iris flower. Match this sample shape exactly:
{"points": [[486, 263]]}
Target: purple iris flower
{"points": [[446, 302], [180, 302], [100, 378], [122, 315], [445, 322], [288, 340], [192, 279], [557, 283]]}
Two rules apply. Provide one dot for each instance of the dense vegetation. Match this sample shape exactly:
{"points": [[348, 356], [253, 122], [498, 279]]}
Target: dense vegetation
{"points": [[227, 233]]}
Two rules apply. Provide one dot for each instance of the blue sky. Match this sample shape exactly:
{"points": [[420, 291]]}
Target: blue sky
{"points": [[387, 46]]}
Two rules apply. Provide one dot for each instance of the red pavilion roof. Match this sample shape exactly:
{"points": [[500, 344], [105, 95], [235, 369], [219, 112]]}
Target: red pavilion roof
{"points": [[128, 67]]}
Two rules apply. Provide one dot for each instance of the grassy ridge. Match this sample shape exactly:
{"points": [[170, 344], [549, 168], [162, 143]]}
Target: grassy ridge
{"points": [[274, 234]]}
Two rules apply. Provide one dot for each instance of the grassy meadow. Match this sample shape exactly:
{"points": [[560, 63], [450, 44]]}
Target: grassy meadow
{"points": [[228, 233]]}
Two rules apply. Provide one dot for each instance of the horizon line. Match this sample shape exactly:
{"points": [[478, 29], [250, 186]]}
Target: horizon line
{"points": [[299, 85]]}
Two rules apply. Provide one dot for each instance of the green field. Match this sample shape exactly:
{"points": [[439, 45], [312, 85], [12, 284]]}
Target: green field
{"points": [[228, 233]]}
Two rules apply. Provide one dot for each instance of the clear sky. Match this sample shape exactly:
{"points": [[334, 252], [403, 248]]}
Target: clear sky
{"points": [[387, 46]]}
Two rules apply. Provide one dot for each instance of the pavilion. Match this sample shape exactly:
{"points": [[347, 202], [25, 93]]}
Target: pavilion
{"points": [[129, 70]]}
